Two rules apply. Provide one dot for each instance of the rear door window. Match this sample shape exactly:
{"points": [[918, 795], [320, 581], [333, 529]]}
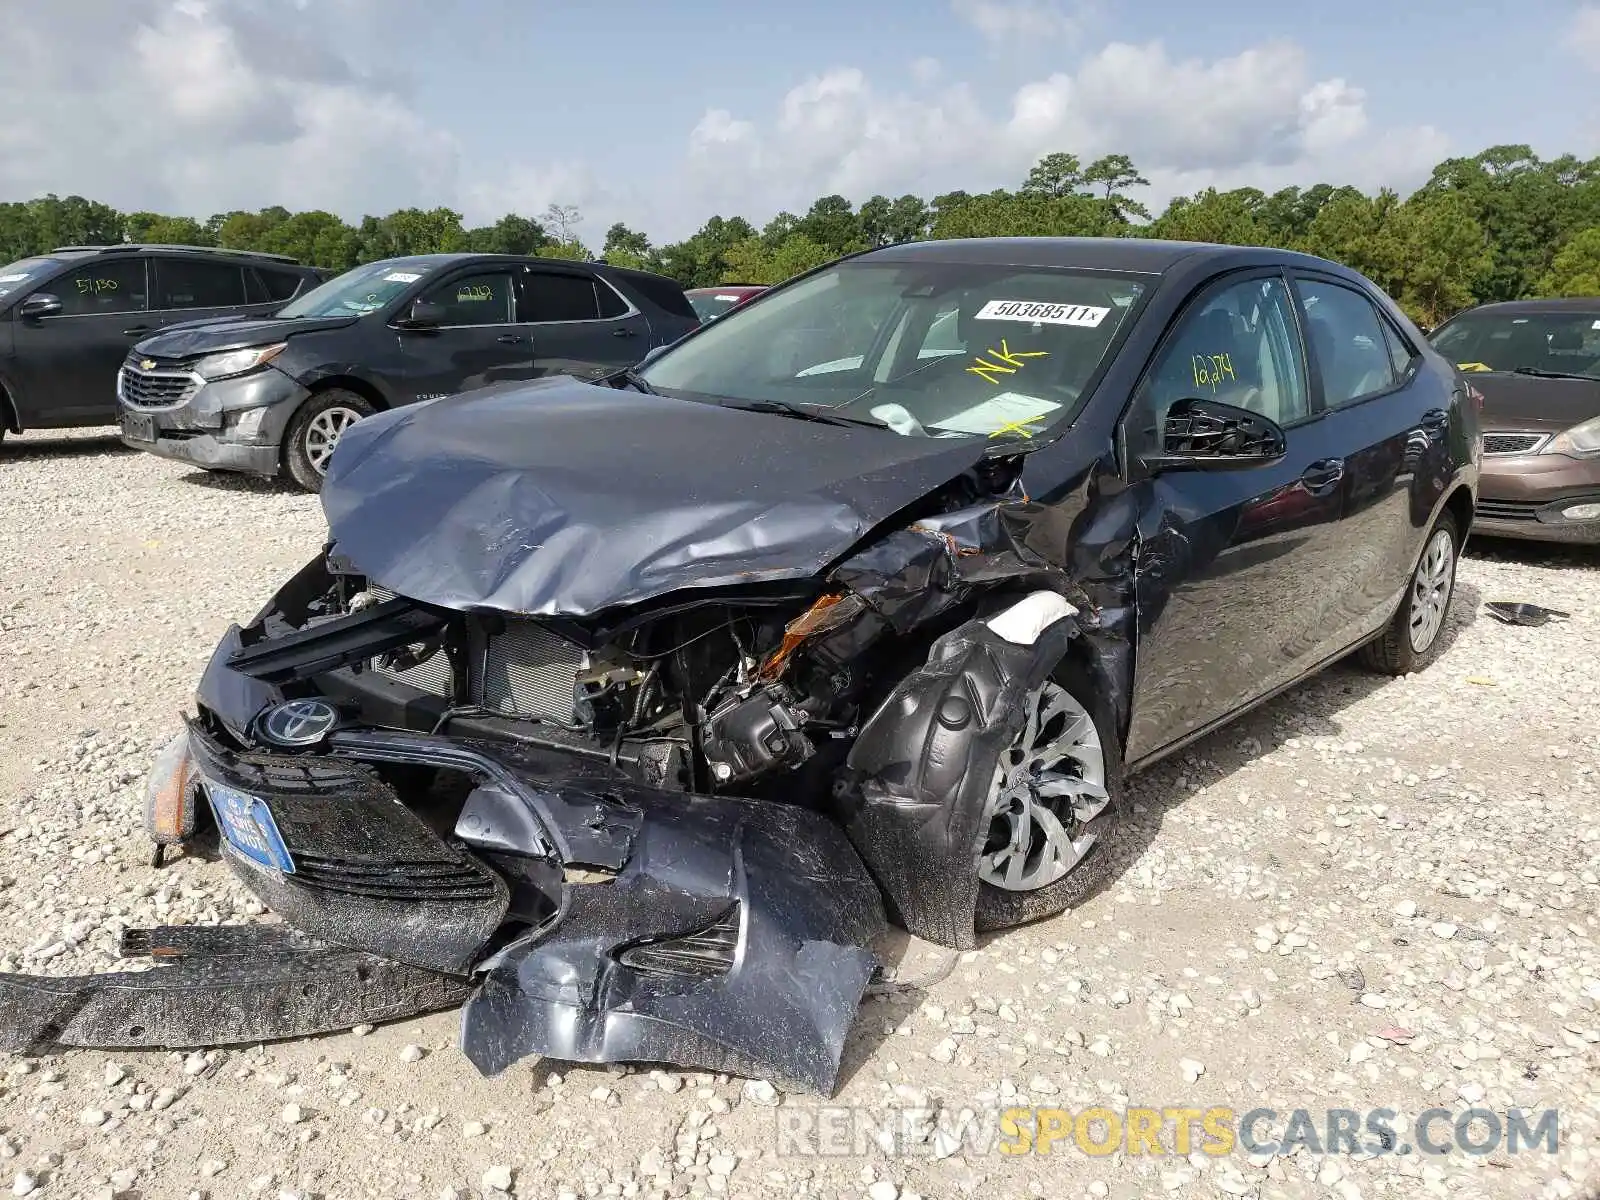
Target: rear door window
{"points": [[1353, 356], [195, 283], [102, 286], [555, 296]]}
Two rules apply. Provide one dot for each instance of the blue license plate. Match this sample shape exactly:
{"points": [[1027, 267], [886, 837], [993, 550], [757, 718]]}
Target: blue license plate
{"points": [[248, 825]]}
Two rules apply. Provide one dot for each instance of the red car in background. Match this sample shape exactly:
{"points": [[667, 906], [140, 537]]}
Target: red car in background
{"points": [[713, 302]]}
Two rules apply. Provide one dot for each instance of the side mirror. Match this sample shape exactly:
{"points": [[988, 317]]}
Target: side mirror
{"points": [[40, 304], [423, 314], [1208, 435]]}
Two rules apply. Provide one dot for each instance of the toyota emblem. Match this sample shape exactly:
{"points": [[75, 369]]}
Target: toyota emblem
{"points": [[298, 722]]}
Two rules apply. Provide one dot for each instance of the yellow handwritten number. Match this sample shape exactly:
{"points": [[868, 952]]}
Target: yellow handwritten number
{"points": [[1211, 369]]}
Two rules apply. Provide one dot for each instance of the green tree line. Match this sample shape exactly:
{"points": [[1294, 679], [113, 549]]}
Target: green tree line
{"points": [[1501, 225]]}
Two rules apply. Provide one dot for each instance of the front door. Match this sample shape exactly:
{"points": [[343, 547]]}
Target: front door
{"points": [[581, 325], [66, 365], [478, 341], [1230, 563]]}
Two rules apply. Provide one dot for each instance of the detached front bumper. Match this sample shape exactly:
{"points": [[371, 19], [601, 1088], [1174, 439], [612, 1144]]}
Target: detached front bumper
{"points": [[233, 424], [581, 915]]}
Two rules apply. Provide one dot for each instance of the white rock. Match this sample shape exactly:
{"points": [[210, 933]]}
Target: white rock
{"points": [[1443, 929], [292, 1114], [497, 1179], [759, 1091], [411, 1053], [1406, 908], [115, 1074], [1360, 1052], [24, 1184], [1191, 1069], [883, 1190]]}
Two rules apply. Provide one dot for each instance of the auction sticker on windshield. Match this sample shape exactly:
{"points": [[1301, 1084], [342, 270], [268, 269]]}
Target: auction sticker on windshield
{"points": [[1045, 314], [402, 277]]}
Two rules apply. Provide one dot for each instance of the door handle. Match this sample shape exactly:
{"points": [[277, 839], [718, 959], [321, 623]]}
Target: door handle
{"points": [[622, 332], [136, 330], [1321, 476], [510, 339]]}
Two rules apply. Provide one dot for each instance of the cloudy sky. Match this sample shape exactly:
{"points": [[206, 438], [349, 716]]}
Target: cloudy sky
{"points": [[660, 114]]}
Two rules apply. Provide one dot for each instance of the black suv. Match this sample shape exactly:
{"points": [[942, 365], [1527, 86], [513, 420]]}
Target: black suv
{"points": [[274, 395], [68, 317]]}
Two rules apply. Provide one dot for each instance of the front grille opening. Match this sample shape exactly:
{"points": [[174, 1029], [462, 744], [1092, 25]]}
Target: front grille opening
{"points": [[707, 953], [1512, 443], [157, 389]]}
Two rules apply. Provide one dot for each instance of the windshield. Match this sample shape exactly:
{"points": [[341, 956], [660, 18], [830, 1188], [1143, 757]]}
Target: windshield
{"points": [[926, 349], [1566, 342], [16, 276], [357, 291]]}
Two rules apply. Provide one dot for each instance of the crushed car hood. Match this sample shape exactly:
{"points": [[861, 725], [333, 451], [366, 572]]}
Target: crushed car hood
{"points": [[562, 498], [232, 333]]}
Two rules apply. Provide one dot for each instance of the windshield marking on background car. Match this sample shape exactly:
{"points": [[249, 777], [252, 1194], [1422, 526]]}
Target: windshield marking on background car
{"points": [[1011, 361]]}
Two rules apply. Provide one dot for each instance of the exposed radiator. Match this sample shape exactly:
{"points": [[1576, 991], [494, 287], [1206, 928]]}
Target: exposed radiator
{"points": [[526, 671], [529, 672]]}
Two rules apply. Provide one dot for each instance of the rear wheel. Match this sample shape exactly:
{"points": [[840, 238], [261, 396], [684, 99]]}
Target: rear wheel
{"points": [[1415, 635], [1054, 801], [314, 434]]}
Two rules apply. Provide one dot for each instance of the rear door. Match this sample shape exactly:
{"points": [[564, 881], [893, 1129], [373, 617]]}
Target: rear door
{"points": [[1393, 419], [196, 289], [67, 364], [1232, 564], [479, 342], [581, 325]]}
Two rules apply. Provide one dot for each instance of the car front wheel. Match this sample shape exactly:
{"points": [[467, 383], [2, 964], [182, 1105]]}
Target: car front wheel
{"points": [[1055, 798], [1415, 635], [314, 434]]}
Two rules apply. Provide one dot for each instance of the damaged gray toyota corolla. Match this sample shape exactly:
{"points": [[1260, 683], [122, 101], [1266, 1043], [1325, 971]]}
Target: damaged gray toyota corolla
{"points": [[625, 715]]}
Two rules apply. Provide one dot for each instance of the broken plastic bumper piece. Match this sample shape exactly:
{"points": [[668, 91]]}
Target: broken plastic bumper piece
{"points": [[581, 917], [216, 986]]}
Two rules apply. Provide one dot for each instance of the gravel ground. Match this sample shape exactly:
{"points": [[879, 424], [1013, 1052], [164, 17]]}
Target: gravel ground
{"points": [[1367, 894]]}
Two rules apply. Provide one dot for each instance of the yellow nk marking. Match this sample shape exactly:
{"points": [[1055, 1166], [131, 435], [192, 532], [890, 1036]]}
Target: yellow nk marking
{"points": [[1020, 426], [1009, 362]]}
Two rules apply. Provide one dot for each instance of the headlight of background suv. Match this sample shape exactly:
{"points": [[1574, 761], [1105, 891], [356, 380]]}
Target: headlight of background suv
{"points": [[237, 362], [1581, 441]]}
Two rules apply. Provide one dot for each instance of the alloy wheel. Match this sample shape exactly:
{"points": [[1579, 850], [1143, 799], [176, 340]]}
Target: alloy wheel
{"points": [[1050, 782], [1430, 589], [323, 432]]}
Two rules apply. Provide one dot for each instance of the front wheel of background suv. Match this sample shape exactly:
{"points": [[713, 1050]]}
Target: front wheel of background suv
{"points": [[1416, 634], [315, 431]]}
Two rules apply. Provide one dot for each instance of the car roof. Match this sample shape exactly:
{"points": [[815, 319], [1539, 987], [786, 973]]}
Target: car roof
{"points": [[78, 252], [1519, 308], [1151, 256]]}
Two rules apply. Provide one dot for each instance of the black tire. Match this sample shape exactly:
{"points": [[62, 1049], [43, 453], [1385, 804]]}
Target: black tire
{"points": [[1395, 651], [999, 908], [305, 442]]}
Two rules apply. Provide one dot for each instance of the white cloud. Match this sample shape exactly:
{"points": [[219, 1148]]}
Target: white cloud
{"points": [[210, 105], [1583, 35], [1012, 22], [1257, 117]]}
